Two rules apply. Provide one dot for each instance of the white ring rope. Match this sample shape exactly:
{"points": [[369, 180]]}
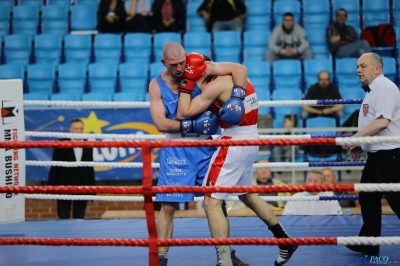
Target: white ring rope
{"points": [[147, 104], [156, 165], [367, 140], [363, 240], [141, 198], [133, 136], [386, 187]]}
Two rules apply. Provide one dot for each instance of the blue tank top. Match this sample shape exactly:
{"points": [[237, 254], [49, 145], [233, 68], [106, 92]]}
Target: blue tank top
{"points": [[170, 99]]}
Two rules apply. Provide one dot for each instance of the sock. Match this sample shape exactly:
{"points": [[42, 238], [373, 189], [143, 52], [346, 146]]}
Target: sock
{"points": [[162, 254], [224, 255], [278, 231]]}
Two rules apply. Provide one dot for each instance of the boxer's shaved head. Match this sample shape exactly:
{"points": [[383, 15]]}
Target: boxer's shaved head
{"points": [[174, 59], [172, 49]]}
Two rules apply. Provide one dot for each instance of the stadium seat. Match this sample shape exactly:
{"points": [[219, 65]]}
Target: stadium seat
{"points": [[353, 11], [17, 49], [255, 43], [87, 2], [316, 14], [194, 23], [128, 97], [137, 48], [199, 42], [258, 15], [83, 17], [107, 48], [102, 77], [147, 97], [320, 51], [263, 95], [65, 97], [155, 69], [66, 3], [312, 67], [161, 39], [37, 3], [133, 77], [375, 12], [316, 38], [25, 20], [41, 78], [55, 19], [6, 4], [284, 94], [97, 96], [227, 46], [36, 96], [48, 48], [78, 48], [258, 70], [72, 78], [346, 72], [287, 73], [281, 7], [11, 72], [389, 68], [350, 93]]}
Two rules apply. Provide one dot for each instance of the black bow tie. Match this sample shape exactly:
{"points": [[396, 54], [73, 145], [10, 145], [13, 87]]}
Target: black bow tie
{"points": [[366, 88]]}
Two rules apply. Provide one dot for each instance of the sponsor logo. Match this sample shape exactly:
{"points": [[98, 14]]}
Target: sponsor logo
{"points": [[176, 161], [365, 109], [9, 112], [374, 260]]}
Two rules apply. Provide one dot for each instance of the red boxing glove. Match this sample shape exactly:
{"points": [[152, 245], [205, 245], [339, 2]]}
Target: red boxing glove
{"points": [[195, 68]]}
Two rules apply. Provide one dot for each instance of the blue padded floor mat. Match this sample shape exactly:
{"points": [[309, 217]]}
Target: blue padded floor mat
{"points": [[296, 226]]}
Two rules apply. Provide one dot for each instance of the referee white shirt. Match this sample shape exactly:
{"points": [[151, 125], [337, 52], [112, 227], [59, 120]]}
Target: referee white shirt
{"points": [[382, 100]]}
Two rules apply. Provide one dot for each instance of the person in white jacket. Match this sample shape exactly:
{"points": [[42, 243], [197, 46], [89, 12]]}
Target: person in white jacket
{"points": [[330, 207]]}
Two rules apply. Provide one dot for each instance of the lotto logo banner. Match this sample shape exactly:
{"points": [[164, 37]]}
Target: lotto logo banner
{"points": [[12, 205], [135, 121]]}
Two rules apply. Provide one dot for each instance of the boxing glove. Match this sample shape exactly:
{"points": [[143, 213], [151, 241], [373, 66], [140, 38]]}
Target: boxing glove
{"points": [[195, 68], [205, 124], [232, 110]]}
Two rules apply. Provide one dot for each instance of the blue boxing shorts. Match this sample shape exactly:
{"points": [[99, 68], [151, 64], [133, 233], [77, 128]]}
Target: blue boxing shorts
{"points": [[183, 166]]}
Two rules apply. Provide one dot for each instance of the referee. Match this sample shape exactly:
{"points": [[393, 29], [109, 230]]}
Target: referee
{"points": [[379, 116]]}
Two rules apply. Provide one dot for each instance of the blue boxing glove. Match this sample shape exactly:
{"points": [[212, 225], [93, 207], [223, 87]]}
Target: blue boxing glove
{"points": [[205, 124], [232, 111]]}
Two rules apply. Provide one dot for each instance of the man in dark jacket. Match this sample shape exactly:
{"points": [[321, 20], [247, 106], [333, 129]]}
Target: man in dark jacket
{"points": [[223, 14], [169, 15], [72, 176]]}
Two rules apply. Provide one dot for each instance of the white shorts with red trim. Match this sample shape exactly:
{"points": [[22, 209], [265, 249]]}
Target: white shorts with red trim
{"points": [[233, 165]]}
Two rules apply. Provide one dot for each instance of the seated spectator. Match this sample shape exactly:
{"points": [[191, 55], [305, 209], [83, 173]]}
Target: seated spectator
{"points": [[323, 90], [285, 152], [330, 178], [111, 16], [223, 14], [262, 178], [288, 41], [169, 15], [138, 16], [329, 207], [342, 39]]}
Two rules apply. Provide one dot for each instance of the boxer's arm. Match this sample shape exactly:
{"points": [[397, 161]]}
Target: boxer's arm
{"points": [[157, 111], [190, 107], [237, 71]]}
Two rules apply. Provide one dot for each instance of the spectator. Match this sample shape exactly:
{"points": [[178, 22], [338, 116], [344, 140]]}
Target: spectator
{"points": [[72, 176], [288, 41], [111, 16], [169, 15], [323, 90], [263, 178], [329, 207], [223, 14], [138, 16], [285, 152], [342, 38], [330, 178]]}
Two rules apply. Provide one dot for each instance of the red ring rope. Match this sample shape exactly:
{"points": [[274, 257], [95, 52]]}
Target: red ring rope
{"points": [[171, 189], [168, 242], [164, 143]]}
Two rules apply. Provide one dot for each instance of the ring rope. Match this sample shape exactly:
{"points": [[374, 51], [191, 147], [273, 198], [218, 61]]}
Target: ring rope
{"points": [[196, 199], [368, 187], [157, 165], [387, 240], [147, 104], [159, 136]]}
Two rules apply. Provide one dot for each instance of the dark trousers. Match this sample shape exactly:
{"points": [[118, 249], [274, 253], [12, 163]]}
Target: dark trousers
{"points": [[381, 167], [64, 209]]}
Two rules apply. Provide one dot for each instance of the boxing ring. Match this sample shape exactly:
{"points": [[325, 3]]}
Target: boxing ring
{"points": [[135, 242]]}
